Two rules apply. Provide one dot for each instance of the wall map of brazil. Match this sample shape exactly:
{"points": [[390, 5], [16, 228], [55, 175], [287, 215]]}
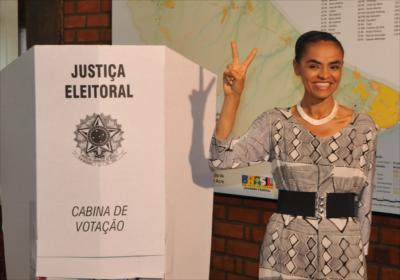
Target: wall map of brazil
{"points": [[202, 31]]}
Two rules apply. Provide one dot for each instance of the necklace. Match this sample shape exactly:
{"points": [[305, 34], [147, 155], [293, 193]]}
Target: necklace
{"points": [[322, 121]]}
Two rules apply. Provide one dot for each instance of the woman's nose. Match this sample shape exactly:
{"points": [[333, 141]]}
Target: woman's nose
{"points": [[323, 73]]}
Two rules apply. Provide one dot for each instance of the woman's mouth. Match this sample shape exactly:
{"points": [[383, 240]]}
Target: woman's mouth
{"points": [[322, 85]]}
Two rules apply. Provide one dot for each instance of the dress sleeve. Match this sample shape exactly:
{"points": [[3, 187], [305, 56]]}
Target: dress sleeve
{"points": [[365, 200], [251, 148]]}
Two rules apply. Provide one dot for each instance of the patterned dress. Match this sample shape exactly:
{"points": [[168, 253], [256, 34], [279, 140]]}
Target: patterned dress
{"points": [[297, 247]]}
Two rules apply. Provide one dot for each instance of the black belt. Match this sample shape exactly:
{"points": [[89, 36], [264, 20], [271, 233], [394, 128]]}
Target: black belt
{"points": [[337, 205]]}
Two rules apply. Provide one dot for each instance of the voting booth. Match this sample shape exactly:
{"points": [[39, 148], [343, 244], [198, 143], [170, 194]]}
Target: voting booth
{"points": [[103, 163]]}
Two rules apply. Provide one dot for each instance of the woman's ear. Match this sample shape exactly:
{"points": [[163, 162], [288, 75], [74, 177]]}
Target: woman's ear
{"points": [[296, 67]]}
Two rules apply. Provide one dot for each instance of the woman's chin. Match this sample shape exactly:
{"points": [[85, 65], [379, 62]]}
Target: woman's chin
{"points": [[320, 95]]}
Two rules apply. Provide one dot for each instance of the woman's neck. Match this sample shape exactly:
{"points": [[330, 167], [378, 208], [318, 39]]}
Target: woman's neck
{"points": [[317, 108]]}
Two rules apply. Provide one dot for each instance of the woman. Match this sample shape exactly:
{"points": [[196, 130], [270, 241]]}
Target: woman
{"points": [[322, 156]]}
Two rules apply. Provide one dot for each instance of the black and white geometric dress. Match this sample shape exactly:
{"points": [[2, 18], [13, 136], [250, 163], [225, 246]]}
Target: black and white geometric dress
{"points": [[297, 247]]}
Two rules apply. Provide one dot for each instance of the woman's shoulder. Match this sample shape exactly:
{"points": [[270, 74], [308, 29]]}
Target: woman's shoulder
{"points": [[274, 112], [279, 113], [273, 116], [365, 125], [358, 118], [364, 119]]}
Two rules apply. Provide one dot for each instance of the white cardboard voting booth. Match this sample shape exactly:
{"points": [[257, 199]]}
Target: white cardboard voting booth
{"points": [[103, 170]]}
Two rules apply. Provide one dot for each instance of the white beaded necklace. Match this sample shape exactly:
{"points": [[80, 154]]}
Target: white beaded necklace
{"points": [[322, 121]]}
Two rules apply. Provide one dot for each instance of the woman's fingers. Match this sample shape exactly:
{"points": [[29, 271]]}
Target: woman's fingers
{"points": [[250, 58], [228, 80], [228, 67], [235, 75], [235, 53]]}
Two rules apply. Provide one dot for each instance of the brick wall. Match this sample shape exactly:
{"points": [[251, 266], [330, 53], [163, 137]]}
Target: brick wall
{"points": [[238, 230], [86, 22]]}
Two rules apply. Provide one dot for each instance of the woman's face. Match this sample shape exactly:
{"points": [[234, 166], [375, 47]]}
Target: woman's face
{"points": [[320, 69]]}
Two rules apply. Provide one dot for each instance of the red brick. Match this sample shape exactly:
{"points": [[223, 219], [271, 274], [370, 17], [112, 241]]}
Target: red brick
{"points": [[260, 203], [224, 263], [88, 6], [258, 234], [217, 275], [371, 253], [105, 35], [243, 215], [219, 211], [231, 276], [106, 5], [69, 7], [266, 216], [228, 230], [74, 21], [243, 249], [69, 36], [98, 20], [247, 233], [390, 236], [88, 35], [374, 234], [382, 219], [218, 244], [387, 255], [251, 269], [390, 273], [238, 265], [373, 272], [227, 199]]}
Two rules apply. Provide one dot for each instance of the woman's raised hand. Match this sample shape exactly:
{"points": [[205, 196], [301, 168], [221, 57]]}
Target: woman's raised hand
{"points": [[235, 73], [234, 78]]}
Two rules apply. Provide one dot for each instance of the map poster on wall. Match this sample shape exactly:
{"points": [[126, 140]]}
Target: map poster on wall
{"points": [[203, 30]]}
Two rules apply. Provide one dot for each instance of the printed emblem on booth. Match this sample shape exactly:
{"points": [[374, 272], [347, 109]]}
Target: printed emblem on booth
{"points": [[98, 140]]}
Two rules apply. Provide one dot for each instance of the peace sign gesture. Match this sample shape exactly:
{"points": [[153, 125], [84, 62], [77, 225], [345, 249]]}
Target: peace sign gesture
{"points": [[235, 73], [234, 77]]}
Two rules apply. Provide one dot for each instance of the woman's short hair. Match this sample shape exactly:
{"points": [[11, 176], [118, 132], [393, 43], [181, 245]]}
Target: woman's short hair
{"points": [[313, 37]]}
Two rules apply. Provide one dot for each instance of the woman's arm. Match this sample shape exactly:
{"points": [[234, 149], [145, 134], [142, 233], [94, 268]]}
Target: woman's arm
{"points": [[253, 146], [233, 84]]}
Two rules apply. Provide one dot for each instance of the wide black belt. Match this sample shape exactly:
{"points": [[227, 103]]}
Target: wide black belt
{"points": [[335, 205]]}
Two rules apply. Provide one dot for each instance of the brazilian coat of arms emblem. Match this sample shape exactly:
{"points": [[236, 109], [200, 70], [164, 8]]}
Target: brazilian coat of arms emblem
{"points": [[98, 140]]}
